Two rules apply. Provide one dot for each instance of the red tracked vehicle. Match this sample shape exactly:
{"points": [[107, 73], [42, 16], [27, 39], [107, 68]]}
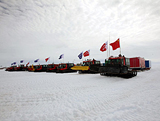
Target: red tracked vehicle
{"points": [[52, 67], [116, 66], [20, 68], [11, 68], [65, 68], [40, 68]]}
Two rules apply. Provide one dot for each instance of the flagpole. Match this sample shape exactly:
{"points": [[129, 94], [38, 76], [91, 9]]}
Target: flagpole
{"points": [[107, 49], [120, 45], [82, 58], [89, 54], [108, 44], [48, 61]]}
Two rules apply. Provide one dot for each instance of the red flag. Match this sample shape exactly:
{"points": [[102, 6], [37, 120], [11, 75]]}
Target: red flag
{"points": [[27, 64], [104, 47], [115, 44], [47, 59], [86, 53]]}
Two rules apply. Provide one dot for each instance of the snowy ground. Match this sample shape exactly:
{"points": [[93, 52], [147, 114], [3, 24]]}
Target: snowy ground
{"points": [[28, 96]]}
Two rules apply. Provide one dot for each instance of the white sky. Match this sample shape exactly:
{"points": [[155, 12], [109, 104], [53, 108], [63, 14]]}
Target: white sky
{"points": [[37, 29]]}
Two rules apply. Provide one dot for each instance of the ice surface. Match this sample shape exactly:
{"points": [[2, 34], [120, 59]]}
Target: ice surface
{"points": [[29, 96]]}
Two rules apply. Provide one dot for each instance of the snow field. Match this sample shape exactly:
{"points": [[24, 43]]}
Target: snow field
{"points": [[28, 96]]}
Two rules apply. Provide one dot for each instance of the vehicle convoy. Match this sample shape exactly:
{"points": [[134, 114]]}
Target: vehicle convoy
{"points": [[116, 66], [52, 67], [85, 66], [65, 68]]}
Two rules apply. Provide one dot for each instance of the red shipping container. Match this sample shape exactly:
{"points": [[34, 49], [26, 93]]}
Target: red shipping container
{"points": [[137, 63]]}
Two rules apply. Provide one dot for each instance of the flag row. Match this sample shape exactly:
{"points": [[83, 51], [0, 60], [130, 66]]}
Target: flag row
{"points": [[103, 48]]}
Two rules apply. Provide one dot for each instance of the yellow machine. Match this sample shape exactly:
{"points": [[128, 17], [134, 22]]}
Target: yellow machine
{"points": [[85, 67], [80, 68]]}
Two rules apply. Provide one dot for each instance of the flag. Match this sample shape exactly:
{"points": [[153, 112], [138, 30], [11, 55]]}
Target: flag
{"points": [[21, 61], [27, 64], [47, 59], [86, 53], [115, 44], [36, 60], [104, 47], [61, 56], [13, 63], [80, 55]]}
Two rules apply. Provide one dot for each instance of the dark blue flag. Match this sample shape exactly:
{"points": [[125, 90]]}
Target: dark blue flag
{"points": [[61, 56], [36, 60], [13, 63], [80, 55], [21, 61]]}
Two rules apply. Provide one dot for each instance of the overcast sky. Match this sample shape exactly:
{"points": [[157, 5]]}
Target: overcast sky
{"points": [[37, 29]]}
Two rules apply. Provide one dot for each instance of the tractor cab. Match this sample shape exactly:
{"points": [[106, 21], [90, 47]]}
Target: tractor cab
{"points": [[65, 67], [52, 67], [91, 62], [20, 68], [118, 61], [40, 68]]}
